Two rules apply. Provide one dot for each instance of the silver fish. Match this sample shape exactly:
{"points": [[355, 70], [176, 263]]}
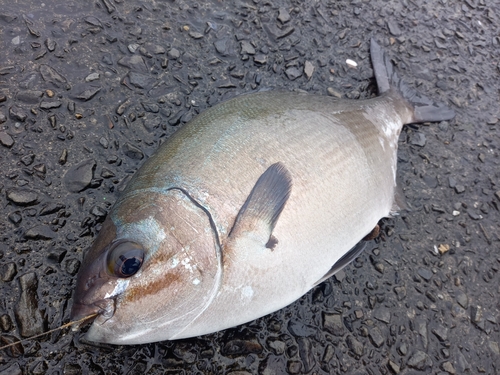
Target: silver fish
{"points": [[245, 209]]}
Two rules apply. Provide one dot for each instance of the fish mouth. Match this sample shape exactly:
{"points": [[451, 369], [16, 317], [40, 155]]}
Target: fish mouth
{"points": [[105, 309]]}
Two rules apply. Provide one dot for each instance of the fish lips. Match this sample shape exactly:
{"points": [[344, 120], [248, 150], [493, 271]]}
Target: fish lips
{"points": [[95, 291], [105, 309]]}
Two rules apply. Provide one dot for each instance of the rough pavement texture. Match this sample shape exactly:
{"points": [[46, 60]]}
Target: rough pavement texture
{"points": [[88, 90]]}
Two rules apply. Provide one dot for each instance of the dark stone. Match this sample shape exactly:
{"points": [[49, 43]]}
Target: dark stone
{"points": [[383, 315], [57, 255], [8, 18], [22, 197], [51, 208], [419, 361], [104, 142], [441, 333], [50, 104], [6, 140], [421, 328], [448, 367], [279, 33], [9, 270], [239, 347], [72, 369], [88, 94], [461, 363], [106, 173], [497, 194], [328, 354], [418, 139], [355, 346], [431, 181], [29, 96], [247, 48], [17, 114], [185, 352], [99, 212], [221, 46], [300, 329], [473, 214], [122, 107], [476, 314], [15, 217], [425, 273], [277, 346], [141, 81], [306, 353], [260, 58], [51, 75], [194, 35], [293, 73], [227, 84], [72, 266], [283, 15], [79, 177], [152, 123], [132, 152], [151, 107], [174, 54], [39, 232], [28, 159], [403, 349], [462, 299], [40, 168], [28, 81], [394, 28], [6, 323], [63, 157], [294, 367], [134, 62], [272, 365], [29, 318], [333, 323], [376, 337], [50, 44]]}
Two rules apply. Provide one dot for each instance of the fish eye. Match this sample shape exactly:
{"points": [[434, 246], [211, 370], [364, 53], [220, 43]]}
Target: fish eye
{"points": [[124, 258]]}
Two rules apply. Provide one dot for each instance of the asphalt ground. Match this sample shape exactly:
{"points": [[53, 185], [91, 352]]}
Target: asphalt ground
{"points": [[88, 90]]}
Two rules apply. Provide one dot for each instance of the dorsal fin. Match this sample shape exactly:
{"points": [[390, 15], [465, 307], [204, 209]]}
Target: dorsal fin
{"points": [[265, 202]]}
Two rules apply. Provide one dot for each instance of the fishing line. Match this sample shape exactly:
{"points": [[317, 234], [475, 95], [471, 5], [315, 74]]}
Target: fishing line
{"points": [[52, 330]]}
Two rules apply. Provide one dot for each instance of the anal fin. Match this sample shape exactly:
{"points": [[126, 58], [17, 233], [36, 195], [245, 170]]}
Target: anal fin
{"points": [[344, 261]]}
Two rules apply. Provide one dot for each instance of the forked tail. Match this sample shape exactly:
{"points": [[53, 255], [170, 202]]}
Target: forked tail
{"points": [[425, 109]]}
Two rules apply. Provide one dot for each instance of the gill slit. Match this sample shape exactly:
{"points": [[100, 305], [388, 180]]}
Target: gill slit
{"points": [[218, 254]]}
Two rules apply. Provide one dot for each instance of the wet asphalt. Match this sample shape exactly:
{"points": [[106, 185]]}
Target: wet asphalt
{"points": [[88, 90]]}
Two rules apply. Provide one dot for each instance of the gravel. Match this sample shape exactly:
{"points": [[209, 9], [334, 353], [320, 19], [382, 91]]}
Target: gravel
{"points": [[88, 90]]}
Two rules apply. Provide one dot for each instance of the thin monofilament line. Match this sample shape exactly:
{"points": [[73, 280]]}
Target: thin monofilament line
{"points": [[52, 330]]}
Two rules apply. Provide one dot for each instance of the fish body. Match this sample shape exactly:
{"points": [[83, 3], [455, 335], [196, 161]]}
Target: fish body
{"points": [[243, 210]]}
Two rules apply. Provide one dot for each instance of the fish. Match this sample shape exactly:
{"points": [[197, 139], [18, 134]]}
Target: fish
{"points": [[246, 208]]}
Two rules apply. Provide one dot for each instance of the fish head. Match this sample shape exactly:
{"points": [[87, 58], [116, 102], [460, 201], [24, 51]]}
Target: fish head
{"points": [[154, 267]]}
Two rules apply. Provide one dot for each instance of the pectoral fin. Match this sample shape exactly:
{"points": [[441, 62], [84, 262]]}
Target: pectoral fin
{"points": [[260, 212]]}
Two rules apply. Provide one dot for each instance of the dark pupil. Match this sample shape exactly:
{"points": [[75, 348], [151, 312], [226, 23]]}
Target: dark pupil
{"points": [[129, 266], [125, 258]]}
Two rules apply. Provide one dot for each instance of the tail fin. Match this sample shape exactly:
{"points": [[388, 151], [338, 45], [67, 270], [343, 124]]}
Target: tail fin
{"points": [[424, 108]]}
